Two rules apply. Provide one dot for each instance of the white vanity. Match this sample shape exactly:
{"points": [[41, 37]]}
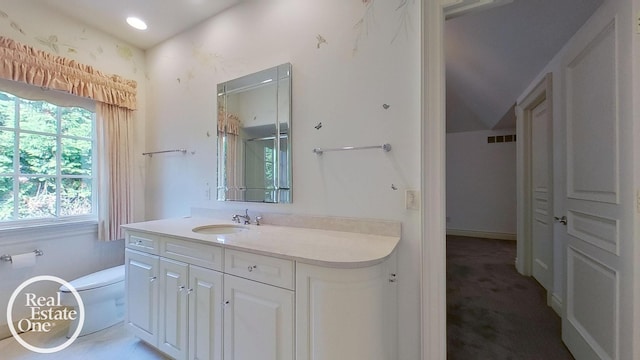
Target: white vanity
{"points": [[245, 292]]}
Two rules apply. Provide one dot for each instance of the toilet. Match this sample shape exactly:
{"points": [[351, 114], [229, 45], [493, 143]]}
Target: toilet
{"points": [[103, 296]]}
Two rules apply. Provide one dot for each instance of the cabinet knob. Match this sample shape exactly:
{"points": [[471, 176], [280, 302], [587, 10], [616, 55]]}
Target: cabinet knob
{"points": [[180, 288], [392, 277], [227, 302], [139, 242], [189, 291], [152, 279], [252, 267]]}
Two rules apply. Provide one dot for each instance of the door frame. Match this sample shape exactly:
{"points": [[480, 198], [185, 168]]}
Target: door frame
{"points": [[432, 261], [433, 286], [541, 92]]}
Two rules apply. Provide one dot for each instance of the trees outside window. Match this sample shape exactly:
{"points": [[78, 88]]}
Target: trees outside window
{"points": [[46, 160]]}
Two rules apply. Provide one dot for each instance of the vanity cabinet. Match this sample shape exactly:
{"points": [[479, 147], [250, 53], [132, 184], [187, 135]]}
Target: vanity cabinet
{"points": [[141, 288], [173, 305], [258, 321], [205, 313], [193, 300], [346, 313], [189, 311], [259, 307], [178, 307]]}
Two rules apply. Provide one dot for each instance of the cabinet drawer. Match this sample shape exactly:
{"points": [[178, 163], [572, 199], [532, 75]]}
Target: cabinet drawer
{"points": [[143, 242], [266, 269], [208, 256]]}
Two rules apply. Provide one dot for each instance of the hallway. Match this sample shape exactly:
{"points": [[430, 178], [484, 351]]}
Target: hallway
{"points": [[493, 312]]}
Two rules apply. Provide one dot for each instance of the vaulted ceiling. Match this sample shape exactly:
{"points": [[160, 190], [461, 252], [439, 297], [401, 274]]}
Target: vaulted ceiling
{"points": [[494, 54]]}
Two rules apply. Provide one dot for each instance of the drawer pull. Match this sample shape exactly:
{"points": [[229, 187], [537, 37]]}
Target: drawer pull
{"points": [[251, 268]]}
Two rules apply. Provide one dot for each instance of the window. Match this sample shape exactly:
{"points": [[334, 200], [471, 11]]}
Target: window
{"points": [[46, 161]]}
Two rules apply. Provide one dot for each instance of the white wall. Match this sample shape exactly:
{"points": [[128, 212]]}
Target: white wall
{"points": [[342, 83], [481, 183], [72, 251]]}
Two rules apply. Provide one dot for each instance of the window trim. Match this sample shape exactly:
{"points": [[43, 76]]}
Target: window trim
{"points": [[39, 232]]}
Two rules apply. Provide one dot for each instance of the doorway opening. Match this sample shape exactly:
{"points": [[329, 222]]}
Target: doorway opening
{"points": [[491, 58]]}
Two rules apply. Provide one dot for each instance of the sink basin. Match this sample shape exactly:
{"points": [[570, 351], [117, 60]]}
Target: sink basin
{"points": [[219, 229]]}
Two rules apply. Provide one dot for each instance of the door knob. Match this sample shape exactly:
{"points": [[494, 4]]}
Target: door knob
{"points": [[562, 220]]}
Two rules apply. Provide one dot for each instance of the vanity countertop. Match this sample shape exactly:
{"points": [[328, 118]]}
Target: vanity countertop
{"points": [[311, 246]]}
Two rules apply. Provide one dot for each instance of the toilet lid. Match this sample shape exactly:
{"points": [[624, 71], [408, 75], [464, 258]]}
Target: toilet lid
{"points": [[97, 279]]}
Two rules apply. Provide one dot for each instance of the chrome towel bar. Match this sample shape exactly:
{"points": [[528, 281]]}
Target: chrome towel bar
{"points": [[184, 151], [385, 147]]}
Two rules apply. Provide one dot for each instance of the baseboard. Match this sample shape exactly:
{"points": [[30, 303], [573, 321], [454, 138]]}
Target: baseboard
{"points": [[556, 304], [482, 234]]}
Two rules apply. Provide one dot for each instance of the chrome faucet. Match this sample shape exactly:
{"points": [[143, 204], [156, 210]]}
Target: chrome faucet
{"points": [[247, 219]]}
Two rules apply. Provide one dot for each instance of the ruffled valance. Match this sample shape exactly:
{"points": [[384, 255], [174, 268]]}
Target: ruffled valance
{"points": [[23, 63], [228, 123]]}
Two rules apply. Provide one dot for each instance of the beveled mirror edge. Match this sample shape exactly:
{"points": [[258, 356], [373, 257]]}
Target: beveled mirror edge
{"points": [[280, 194]]}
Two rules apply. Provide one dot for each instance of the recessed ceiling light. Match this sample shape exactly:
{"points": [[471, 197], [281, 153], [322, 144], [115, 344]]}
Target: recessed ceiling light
{"points": [[136, 23]]}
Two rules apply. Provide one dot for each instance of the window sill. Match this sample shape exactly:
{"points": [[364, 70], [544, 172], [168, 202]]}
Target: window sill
{"points": [[28, 233]]}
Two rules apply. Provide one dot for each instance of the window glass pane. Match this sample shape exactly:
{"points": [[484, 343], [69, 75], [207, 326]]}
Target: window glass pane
{"points": [[37, 154], [7, 110], [75, 157], [6, 151], [37, 198], [76, 122], [6, 198], [75, 197], [38, 116], [54, 146]]}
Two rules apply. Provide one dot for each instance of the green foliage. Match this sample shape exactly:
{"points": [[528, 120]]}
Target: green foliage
{"points": [[34, 187]]}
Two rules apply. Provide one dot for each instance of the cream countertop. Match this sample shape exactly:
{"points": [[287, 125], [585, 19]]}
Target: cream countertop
{"points": [[311, 246]]}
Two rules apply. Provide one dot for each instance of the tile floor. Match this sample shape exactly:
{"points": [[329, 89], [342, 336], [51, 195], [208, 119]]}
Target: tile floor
{"points": [[115, 342]]}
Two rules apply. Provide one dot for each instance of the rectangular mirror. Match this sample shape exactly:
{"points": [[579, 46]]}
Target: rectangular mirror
{"points": [[254, 137]]}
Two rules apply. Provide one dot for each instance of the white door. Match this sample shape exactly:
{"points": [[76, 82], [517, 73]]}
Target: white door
{"points": [[205, 314], [258, 321], [541, 235], [600, 202], [141, 271], [172, 322]]}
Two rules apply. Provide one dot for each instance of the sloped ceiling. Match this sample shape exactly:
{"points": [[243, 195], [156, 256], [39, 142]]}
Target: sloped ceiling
{"points": [[493, 55]]}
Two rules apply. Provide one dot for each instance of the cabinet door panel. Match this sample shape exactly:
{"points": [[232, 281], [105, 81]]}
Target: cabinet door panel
{"points": [[205, 314], [258, 321], [142, 294], [173, 308], [345, 313]]}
